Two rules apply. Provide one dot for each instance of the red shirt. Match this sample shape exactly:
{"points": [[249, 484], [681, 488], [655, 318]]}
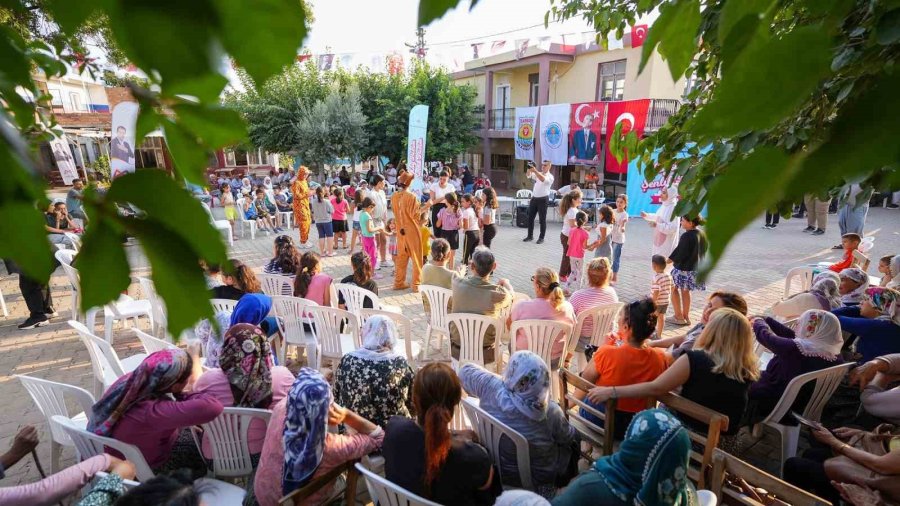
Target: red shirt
{"points": [[845, 263]]}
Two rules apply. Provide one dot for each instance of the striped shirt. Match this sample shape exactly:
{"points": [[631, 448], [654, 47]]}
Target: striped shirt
{"points": [[589, 298], [662, 284]]}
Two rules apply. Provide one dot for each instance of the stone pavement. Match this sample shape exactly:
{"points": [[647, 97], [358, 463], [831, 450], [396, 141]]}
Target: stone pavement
{"points": [[754, 265]]}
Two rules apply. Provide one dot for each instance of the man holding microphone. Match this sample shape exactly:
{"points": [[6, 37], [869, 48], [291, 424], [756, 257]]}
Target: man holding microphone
{"points": [[540, 196]]}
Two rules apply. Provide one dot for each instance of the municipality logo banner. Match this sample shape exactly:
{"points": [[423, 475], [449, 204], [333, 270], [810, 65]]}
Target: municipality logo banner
{"points": [[526, 122], [554, 133]]}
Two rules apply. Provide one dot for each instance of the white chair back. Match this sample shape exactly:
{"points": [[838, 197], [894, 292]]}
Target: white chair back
{"points": [[472, 329], [50, 398], [65, 259], [153, 344], [603, 319], [490, 431], [327, 322], [292, 315], [438, 299], [89, 444], [404, 327], [227, 436], [354, 297], [157, 306], [75, 240], [65, 256], [104, 360], [541, 335], [523, 194], [220, 305], [803, 274], [276, 284], [383, 491]]}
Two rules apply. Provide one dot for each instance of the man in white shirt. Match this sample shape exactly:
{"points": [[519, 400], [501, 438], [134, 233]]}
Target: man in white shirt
{"points": [[543, 181]]}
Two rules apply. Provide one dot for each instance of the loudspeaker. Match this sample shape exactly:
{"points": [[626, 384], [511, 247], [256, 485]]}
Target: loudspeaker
{"points": [[522, 216]]}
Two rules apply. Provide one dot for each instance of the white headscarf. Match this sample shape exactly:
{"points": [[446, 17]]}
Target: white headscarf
{"points": [[246, 186], [267, 182], [379, 337], [667, 208], [819, 334], [858, 276], [894, 268]]}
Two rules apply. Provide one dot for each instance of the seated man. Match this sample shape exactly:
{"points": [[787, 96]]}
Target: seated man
{"points": [[476, 294], [58, 223]]}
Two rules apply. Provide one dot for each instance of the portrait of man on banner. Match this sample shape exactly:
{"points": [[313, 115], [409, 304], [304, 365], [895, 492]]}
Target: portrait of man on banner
{"points": [[584, 132], [121, 147]]}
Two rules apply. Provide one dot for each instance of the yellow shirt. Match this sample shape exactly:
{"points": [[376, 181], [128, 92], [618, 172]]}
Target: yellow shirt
{"points": [[425, 234]]}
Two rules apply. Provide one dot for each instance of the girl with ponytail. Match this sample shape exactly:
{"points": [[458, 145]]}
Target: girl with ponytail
{"points": [[549, 303], [427, 458], [310, 282]]}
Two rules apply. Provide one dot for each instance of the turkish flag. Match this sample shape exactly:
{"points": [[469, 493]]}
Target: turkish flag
{"points": [[638, 35], [633, 116]]}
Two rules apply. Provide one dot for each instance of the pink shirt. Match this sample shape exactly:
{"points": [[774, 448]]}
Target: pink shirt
{"points": [[577, 239], [338, 449], [340, 209], [540, 309], [53, 489], [589, 298], [153, 425], [216, 383], [318, 287], [449, 219]]}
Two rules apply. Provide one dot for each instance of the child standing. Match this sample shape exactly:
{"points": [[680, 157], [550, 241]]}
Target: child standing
{"points": [[339, 217], [605, 225], [470, 226], [322, 211], [489, 216], [227, 199], [660, 291], [448, 222], [425, 236], [357, 208], [618, 234], [368, 229], [685, 258], [578, 238], [390, 229]]}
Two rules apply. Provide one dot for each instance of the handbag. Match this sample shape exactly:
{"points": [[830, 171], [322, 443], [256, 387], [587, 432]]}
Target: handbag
{"points": [[843, 469]]}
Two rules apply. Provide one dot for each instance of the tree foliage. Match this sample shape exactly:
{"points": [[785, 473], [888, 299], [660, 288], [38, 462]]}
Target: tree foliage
{"points": [[331, 128], [791, 97]]}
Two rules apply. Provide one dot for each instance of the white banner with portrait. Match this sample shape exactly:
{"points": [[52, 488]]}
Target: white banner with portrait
{"points": [[121, 147], [526, 123], [554, 133], [64, 161]]}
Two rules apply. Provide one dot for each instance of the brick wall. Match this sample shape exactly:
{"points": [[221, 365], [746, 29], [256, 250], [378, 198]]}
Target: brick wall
{"points": [[85, 119], [116, 95]]}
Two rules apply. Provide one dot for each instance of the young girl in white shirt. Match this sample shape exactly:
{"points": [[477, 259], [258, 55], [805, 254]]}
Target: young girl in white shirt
{"points": [[470, 226], [618, 234]]}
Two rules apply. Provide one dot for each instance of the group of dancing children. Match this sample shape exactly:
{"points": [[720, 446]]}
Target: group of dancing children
{"points": [[575, 238]]}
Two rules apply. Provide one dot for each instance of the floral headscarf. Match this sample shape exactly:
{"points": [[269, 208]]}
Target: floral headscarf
{"points": [[152, 378], [211, 338], [819, 334], [246, 360], [826, 291], [651, 465], [526, 384], [379, 337], [885, 300], [858, 276], [894, 269], [305, 427]]}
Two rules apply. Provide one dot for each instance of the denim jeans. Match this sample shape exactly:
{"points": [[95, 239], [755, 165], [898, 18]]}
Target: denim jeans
{"points": [[616, 255]]}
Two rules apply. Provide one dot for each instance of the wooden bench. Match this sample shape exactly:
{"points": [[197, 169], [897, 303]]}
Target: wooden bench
{"points": [[735, 469], [316, 484], [716, 423], [598, 437]]}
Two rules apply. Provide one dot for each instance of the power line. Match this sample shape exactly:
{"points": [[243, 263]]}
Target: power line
{"points": [[488, 35]]}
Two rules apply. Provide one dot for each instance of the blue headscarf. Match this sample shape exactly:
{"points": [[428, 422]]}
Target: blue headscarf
{"points": [[652, 462], [305, 427], [252, 308]]}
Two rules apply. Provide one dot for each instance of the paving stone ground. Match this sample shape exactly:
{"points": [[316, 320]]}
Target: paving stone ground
{"points": [[753, 265]]}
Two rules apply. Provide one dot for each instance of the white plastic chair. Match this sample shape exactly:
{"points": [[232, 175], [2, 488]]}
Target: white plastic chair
{"points": [[541, 335], [123, 310], [220, 305], [355, 297], [404, 327], [438, 299], [153, 344], [803, 274], [291, 313], [490, 431], [50, 398], [227, 437], [242, 219], [287, 217], [383, 491], [105, 361], [333, 343], [276, 284], [74, 241], [223, 226], [3, 305], [603, 318], [827, 381], [472, 329], [65, 259], [157, 306], [523, 194]]}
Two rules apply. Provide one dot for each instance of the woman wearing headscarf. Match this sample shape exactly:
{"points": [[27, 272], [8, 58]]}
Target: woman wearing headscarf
{"points": [[823, 294], [893, 271], [375, 381], [649, 468], [137, 409], [520, 399], [212, 339], [253, 309], [299, 447], [854, 283], [875, 322], [665, 222], [246, 186], [814, 346], [301, 192]]}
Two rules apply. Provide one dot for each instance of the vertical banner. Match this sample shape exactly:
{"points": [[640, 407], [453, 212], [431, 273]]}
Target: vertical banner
{"points": [[584, 132], [554, 132], [633, 116], [121, 147], [63, 156], [526, 122], [643, 195], [638, 35], [415, 150]]}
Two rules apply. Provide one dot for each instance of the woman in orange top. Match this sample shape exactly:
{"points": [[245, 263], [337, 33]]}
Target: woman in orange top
{"points": [[300, 192], [634, 361]]}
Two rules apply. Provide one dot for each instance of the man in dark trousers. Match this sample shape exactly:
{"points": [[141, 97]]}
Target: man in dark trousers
{"points": [[37, 297], [540, 196]]}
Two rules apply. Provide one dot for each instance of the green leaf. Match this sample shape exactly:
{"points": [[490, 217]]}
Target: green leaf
{"points": [[734, 12], [189, 157], [214, 124], [148, 121], [15, 68], [676, 33], [165, 201], [206, 88], [25, 238], [102, 260], [429, 10], [740, 194], [766, 83], [276, 30], [71, 15], [888, 29]]}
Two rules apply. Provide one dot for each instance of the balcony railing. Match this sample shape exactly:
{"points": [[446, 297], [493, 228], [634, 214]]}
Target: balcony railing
{"points": [[660, 111], [503, 119]]}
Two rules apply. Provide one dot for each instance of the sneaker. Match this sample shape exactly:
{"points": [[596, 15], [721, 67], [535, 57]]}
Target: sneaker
{"points": [[388, 263], [767, 225], [893, 206], [797, 215], [809, 229], [818, 231], [837, 246], [52, 314], [527, 239], [33, 322], [539, 241]]}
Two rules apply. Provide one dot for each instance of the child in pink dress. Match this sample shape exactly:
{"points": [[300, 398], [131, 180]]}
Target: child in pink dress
{"points": [[578, 242]]}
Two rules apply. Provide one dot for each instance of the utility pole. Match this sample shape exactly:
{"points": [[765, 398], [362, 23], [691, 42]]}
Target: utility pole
{"points": [[419, 49]]}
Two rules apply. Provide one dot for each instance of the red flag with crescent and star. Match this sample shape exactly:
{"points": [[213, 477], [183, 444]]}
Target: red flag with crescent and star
{"points": [[633, 116], [638, 35]]}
